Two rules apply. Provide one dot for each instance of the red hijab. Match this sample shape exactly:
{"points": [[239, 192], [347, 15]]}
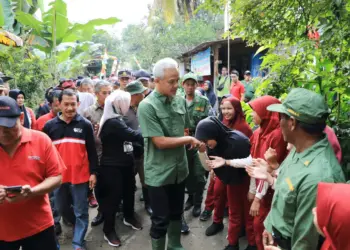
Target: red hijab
{"points": [[269, 133], [333, 210], [238, 122]]}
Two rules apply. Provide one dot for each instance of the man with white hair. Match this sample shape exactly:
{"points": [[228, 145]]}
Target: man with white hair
{"points": [[94, 114], [163, 119], [87, 86]]}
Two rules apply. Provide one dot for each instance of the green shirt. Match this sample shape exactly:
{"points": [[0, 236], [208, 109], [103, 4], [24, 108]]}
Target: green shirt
{"points": [[296, 190], [197, 111], [226, 80], [162, 116], [249, 90]]}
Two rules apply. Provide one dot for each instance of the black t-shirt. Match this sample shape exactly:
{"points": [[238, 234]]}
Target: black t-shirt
{"points": [[235, 146]]}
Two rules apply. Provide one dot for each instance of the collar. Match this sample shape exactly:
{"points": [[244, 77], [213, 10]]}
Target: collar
{"points": [[308, 155], [76, 118], [52, 114], [97, 106], [26, 135], [236, 83], [164, 99]]}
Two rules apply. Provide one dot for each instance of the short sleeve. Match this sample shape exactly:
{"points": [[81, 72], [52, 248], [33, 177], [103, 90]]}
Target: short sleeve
{"points": [[149, 122], [54, 164]]}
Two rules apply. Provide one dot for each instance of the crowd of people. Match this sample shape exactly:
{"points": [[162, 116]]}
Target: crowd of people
{"points": [[279, 182]]}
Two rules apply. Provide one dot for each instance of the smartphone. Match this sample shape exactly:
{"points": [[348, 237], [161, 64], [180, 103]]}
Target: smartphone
{"points": [[14, 189]]}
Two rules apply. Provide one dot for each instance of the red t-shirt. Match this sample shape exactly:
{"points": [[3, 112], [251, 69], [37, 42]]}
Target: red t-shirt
{"points": [[35, 160], [237, 90], [40, 123]]}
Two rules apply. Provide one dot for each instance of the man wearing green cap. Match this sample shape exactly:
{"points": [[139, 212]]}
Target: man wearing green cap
{"points": [[137, 90], [312, 160], [163, 120], [198, 108]]}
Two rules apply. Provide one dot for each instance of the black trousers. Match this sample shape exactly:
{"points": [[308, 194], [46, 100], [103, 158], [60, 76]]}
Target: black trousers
{"points": [[167, 204], [113, 185], [45, 240]]}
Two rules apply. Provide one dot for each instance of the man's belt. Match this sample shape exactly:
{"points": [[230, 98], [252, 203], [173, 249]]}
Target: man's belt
{"points": [[284, 242]]}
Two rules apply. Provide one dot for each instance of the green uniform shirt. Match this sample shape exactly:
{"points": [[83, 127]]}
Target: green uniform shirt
{"points": [[223, 80], [161, 116], [296, 190], [249, 90], [197, 111]]}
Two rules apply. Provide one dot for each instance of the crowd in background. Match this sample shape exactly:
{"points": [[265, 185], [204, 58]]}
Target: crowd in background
{"points": [[273, 181]]}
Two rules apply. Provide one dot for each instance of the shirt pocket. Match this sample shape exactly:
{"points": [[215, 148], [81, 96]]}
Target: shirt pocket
{"points": [[288, 198], [165, 122], [178, 122]]}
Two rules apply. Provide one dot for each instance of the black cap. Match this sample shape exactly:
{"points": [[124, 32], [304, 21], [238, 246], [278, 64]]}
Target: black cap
{"points": [[4, 77], [9, 112], [142, 75], [124, 73], [247, 72]]}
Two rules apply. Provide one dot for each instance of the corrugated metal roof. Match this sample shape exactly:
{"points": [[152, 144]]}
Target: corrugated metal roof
{"points": [[205, 45]]}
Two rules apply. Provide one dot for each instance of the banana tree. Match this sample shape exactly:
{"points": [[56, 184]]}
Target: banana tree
{"points": [[8, 9], [55, 29]]}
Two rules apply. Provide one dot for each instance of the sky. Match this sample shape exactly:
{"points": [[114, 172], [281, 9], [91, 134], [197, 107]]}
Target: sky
{"points": [[130, 11]]}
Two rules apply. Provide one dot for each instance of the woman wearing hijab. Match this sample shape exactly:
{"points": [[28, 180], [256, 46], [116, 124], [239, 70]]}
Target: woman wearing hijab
{"points": [[29, 116], [222, 99], [267, 136], [209, 92], [230, 144], [331, 216], [233, 117], [117, 179]]}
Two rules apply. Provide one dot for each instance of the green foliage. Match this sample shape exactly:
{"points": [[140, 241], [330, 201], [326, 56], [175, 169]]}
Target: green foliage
{"points": [[8, 9], [30, 73], [248, 114], [55, 28], [150, 43]]}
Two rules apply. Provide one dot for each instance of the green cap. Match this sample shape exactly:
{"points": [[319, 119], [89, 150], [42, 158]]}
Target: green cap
{"points": [[190, 76], [304, 105], [135, 87]]}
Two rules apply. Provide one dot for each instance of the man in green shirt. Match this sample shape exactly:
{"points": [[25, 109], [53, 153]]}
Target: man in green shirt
{"points": [[223, 83], [248, 86], [163, 120], [198, 108], [290, 221]]}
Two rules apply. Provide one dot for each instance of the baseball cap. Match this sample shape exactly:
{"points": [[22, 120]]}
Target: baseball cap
{"points": [[4, 77], [142, 75], [247, 72], [190, 76], [124, 73], [9, 112], [135, 87], [304, 105]]}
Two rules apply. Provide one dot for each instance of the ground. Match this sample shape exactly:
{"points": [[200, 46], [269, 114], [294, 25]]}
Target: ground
{"points": [[140, 240]]}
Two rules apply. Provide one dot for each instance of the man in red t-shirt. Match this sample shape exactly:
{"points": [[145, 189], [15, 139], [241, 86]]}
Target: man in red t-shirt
{"points": [[237, 88], [30, 162], [55, 108]]}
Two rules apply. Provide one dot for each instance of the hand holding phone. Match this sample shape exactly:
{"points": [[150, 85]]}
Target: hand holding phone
{"points": [[14, 195], [13, 191]]}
